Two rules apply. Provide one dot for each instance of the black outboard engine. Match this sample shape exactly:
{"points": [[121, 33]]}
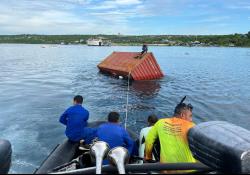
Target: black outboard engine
{"points": [[5, 156], [222, 146]]}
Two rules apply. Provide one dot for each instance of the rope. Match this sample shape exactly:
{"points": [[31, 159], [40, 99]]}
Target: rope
{"points": [[126, 118]]}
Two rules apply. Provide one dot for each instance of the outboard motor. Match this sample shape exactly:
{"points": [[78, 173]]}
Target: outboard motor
{"points": [[221, 145], [99, 151], [5, 156], [119, 156]]}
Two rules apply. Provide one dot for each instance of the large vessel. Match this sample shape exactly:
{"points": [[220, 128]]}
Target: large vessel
{"points": [[98, 42]]}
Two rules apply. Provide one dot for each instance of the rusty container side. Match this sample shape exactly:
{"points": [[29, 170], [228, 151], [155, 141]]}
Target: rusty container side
{"points": [[120, 61], [158, 69], [148, 69]]}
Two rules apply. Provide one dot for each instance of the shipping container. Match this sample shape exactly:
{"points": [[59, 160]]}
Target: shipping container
{"points": [[132, 65]]}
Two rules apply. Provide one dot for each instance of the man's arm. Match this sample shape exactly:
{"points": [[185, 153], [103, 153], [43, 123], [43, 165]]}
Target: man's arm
{"points": [[141, 136], [142, 143], [128, 141], [87, 114], [150, 139], [64, 117]]}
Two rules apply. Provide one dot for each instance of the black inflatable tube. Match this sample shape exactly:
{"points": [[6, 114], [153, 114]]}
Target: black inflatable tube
{"points": [[221, 145], [146, 167], [5, 156], [62, 154]]}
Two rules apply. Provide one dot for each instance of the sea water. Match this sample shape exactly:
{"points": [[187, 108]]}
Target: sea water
{"points": [[38, 82]]}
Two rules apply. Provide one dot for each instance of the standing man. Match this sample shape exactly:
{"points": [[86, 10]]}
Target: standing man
{"points": [[172, 133], [75, 118]]}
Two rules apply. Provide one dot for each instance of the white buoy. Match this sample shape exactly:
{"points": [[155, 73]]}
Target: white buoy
{"points": [[120, 77]]}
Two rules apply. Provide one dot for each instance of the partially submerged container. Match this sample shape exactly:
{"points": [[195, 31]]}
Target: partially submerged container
{"points": [[132, 65]]}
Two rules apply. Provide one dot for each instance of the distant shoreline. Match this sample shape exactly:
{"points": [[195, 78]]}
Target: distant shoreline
{"points": [[233, 40], [139, 45]]}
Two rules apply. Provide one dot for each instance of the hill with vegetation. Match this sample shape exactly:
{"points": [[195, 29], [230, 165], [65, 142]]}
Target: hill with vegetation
{"points": [[233, 40]]}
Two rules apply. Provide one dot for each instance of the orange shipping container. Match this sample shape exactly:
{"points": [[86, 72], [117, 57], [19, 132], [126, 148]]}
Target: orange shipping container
{"points": [[130, 63]]}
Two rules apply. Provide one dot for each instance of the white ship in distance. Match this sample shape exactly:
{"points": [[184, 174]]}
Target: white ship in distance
{"points": [[98, 42]]}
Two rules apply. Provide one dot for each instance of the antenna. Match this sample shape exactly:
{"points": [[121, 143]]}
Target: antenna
{"points": [[183, 99]]}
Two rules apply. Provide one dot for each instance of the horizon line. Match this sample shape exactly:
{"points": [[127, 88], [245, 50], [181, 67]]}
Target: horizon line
{"points": [[128, 34]]}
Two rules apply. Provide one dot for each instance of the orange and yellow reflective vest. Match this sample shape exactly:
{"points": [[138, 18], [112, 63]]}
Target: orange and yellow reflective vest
{"points": [[172, 133]]}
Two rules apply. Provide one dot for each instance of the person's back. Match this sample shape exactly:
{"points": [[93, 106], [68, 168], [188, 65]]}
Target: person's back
{"points": [[144, 49], [172, 133], [114, 134], [152, 119], [75, 118]]}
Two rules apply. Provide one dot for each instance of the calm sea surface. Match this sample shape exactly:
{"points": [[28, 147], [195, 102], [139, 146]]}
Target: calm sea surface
{"points": [[37, 83]]}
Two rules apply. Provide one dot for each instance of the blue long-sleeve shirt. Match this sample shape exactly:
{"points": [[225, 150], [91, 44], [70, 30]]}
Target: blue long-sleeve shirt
{"points": [[115, 135], [75, 118]]}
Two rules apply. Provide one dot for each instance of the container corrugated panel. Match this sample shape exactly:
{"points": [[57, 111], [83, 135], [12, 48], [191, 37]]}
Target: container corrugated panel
{"points": [[125, 63]]}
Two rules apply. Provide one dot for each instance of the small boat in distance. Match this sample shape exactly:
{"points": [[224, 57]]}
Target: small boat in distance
{"points": [[98, 42]]}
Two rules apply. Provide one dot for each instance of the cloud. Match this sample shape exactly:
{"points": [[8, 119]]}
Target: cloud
{"points": [[238, 7], [49, 21], [124, 11], [214, 19], [140, 8], [113, 16], [42, 16], [128, 2], [114, 4], [52, 18]]}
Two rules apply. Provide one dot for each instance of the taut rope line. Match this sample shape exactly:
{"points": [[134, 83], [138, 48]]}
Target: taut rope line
{"points": [[126, 118]]}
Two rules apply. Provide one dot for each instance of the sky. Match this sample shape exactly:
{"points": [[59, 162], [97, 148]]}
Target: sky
{"points": [[127, 17]]}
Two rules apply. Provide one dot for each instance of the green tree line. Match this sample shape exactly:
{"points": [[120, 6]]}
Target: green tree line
{"points": [[239, 40]]}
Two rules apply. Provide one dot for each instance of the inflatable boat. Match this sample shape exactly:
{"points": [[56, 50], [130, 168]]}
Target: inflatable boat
{"points": [[67, 157], [5, 156], [220, 147]]}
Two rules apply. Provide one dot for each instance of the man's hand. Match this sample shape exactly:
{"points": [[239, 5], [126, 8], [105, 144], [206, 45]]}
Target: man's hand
{"points": [[149, 161]]}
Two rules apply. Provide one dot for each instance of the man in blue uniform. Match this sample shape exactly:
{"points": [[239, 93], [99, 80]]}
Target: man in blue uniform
{"points": [[75, 118], [114, 134], [144, 48]]}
